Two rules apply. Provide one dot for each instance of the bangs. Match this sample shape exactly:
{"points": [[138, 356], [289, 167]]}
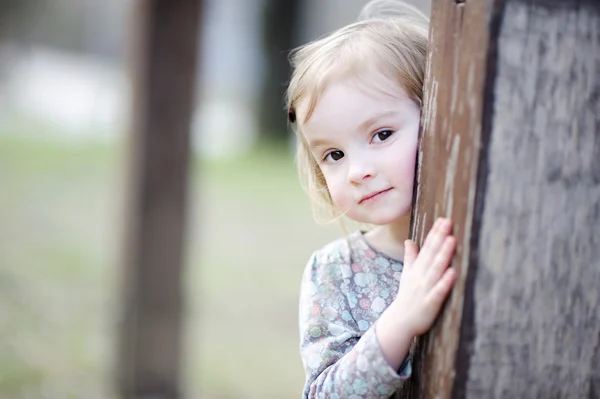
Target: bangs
{"points": [[353, 63]]}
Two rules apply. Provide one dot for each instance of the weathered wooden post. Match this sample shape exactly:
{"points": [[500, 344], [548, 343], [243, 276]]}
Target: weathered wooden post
{"points": [[165, 45], [510, 150]]}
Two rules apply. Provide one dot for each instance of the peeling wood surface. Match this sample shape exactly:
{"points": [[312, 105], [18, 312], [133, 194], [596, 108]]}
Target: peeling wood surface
{"points": [[447, 170], [510, 150], [536, 286]]}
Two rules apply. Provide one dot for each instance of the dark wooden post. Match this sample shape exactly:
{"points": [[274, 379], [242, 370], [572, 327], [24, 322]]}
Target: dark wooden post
{"points": [[510, 150], [279, 20], [165, 46]]}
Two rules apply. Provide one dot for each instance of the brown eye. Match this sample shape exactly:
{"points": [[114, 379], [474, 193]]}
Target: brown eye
{"points": [[334, 156], [382, 135]]}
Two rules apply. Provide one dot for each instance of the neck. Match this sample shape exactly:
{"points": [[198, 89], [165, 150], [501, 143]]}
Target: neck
{"points": [[398, 230], [389, 238]]}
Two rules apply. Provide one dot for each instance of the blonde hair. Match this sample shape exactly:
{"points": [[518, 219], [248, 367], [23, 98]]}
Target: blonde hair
{"points": [[390, 36]]}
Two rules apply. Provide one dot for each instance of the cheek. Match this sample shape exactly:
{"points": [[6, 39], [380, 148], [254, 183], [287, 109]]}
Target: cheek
{"points": [[403, 162], [335, 185], [340, 199], [410, 159]]}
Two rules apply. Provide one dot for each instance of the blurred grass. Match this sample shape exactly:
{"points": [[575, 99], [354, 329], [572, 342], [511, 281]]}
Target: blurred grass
{"points": [[250, 234]]}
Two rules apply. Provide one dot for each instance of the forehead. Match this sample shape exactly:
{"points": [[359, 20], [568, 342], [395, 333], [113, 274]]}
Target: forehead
{"points": [[349, 102]]}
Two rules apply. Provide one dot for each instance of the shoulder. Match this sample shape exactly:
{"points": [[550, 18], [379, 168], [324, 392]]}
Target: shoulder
{"points": [[332, 261], [338, 251]]}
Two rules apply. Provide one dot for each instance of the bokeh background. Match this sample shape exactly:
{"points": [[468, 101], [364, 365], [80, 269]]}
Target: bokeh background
{"points": [[64, 117]]}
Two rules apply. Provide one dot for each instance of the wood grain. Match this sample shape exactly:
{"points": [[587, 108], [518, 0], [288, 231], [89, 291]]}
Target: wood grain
{"points": [[510, 150], [447, 170], [536, 289]]}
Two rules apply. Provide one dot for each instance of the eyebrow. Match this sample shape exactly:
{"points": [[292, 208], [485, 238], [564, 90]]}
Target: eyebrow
{"points": [[318, 143], [366, 125]]}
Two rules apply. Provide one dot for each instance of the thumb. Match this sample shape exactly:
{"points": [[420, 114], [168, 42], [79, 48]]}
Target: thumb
{"points": [[410, 253]]}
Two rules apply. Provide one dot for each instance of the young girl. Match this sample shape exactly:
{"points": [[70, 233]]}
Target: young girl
{"points": [[354, 100]]}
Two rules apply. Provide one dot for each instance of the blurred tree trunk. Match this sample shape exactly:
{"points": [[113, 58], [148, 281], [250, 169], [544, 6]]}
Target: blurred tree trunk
{"points": [[165, 44], [280, 21], [510, 150], [14, 13]]}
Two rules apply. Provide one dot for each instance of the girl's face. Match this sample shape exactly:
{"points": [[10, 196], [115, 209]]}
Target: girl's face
{"points": [[365, 143]]}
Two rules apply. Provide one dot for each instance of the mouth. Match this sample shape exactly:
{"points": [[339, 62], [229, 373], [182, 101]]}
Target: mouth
{"points": [[373, 196]]}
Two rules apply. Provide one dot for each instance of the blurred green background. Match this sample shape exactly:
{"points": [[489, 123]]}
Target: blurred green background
{"points": [[64, 116], [250, 235]]}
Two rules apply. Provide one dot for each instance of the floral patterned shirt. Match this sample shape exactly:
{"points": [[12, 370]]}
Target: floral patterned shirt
{"points": [[346, 286]]}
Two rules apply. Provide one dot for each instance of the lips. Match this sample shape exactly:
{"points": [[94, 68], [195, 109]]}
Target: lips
{"points": [[373, 195]]}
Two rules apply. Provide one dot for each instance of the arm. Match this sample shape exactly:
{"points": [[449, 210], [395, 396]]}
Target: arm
{"points": [[337, 360], [426, 282]]}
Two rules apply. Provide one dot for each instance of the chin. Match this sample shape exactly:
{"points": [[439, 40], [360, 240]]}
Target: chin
{"points": [[381, 219], [384, 221]]}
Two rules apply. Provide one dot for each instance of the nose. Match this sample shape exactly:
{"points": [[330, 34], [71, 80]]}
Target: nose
{"points": [[360, 169]]}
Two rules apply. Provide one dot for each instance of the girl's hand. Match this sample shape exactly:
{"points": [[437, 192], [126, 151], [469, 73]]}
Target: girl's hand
{"points": [[426, 279]]}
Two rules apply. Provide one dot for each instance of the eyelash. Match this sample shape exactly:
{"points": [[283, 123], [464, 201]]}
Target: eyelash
{"points": [[333, 160], [390, 131], [327, 155]]}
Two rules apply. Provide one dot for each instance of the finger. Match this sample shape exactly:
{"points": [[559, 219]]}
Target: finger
{"points": [[442, 288], [442, 260], [434, 241], [434, 228], [445, 226], [439, 229], [410, 253]]}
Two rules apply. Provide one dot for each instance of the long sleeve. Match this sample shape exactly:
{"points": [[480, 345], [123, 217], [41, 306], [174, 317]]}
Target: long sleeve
{"points": [[340, 351]]}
